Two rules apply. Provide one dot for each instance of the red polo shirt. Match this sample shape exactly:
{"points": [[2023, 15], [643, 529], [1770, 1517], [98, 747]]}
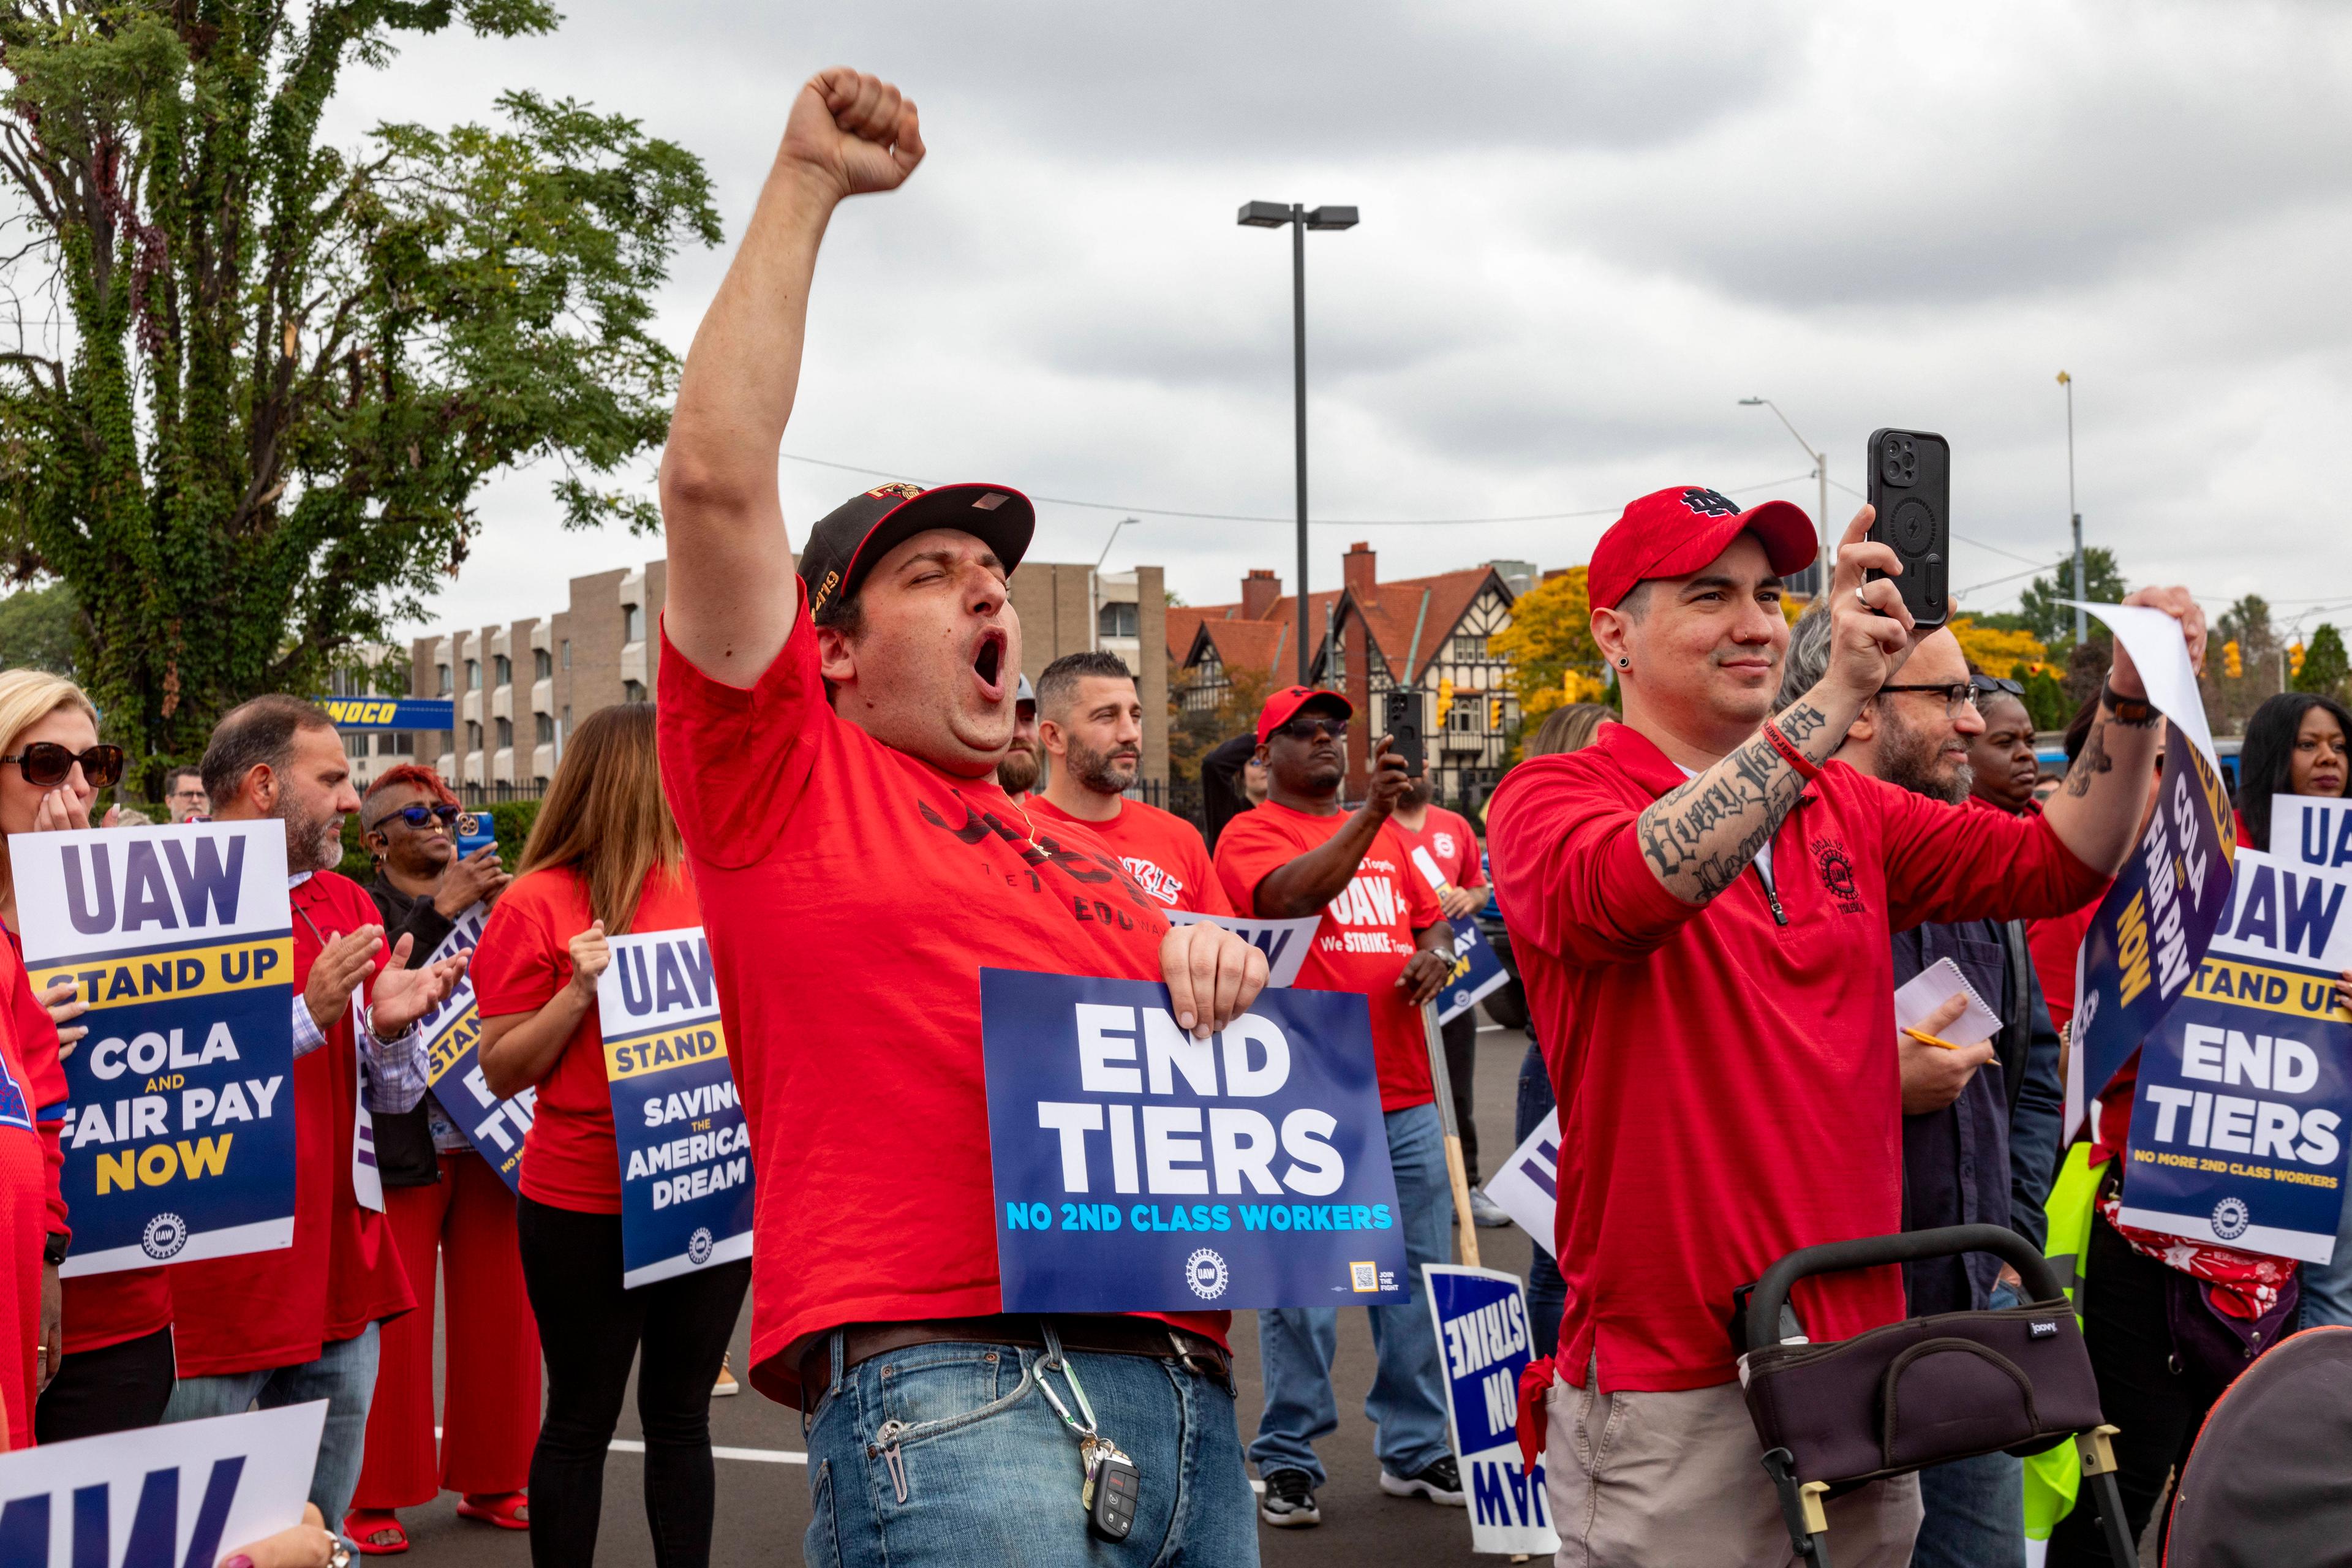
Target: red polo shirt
{"points": [[852, 894], [1163, 852], [1727, 1083], [266, 1310]]}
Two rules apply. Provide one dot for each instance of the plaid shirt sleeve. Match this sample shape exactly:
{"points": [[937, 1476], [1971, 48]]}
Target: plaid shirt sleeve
{"points": [[396, 1076], [308, 1037]]}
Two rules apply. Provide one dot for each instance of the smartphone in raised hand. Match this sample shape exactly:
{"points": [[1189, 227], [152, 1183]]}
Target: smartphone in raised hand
{"points": [[1400, 711], [1911, 491]]}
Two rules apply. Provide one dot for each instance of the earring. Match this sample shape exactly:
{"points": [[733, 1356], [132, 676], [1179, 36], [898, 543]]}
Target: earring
{"points": [[1624, 663]]}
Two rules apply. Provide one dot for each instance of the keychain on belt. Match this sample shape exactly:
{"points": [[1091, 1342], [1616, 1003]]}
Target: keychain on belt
{"points": [[1112, 1482]]}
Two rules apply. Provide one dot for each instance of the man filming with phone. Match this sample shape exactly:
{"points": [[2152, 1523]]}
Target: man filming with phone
{"points": [[1382, 936], [1703, 902]]}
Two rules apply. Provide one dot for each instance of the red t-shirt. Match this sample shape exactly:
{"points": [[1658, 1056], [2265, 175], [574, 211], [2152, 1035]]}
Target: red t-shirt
{"points": [[852, 894], [1161, 850], [1446, 835], [1367, 933], [1728, 1081], [524, 957], [266, 1310]]}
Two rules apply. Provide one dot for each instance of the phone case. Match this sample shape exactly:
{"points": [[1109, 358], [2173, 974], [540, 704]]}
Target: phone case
{"points": [[1402, 714], [1911, 490]]}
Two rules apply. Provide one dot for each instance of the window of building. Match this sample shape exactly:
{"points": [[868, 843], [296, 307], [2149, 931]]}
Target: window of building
{"points": [[1467, 647], [395, 744], [632, 624], [505, 733], [543, 726], [355, 746], [1119, 618], [1464, 717], [567, 653], [473, 735], [633, 692], [543, 667], [441, 673], [501, 671], [473, 674]]}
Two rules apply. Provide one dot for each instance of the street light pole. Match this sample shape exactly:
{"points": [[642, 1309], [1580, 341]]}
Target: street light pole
{"points": [[2082, 616], [1299, 219], [1821, 472]]}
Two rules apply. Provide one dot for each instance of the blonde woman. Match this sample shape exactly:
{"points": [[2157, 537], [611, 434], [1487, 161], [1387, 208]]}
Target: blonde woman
{"points": [[116, 1340]]}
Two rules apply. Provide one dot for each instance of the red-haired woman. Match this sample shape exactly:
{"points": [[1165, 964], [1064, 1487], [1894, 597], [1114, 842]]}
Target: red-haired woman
{"points": [[444, 1203]]}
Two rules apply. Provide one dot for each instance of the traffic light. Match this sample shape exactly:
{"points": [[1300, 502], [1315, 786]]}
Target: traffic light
{"points": [[1495, 713], [1444, 699], [2232, 664], [2294, 660]]}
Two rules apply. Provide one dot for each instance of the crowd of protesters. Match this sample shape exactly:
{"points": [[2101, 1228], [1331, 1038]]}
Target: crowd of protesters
{"points": [[1713, 890]]}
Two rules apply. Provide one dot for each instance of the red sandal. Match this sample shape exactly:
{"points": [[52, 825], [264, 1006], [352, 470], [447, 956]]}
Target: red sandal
{"points": [[374, 1531], [508, 1510]]}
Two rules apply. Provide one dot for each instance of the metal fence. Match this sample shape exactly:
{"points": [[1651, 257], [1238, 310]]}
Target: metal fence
{"points": [[474, 796], [1182, 796]]}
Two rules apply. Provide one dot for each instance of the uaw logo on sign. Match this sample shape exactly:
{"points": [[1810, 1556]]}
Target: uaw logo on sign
{"points": [[686, 1153], [1483, 1342], [158, 1497], [1138, 1169], [179, 1125], [453, 1046]]}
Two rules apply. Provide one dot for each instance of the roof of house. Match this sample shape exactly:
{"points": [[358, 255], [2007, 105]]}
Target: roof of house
{"points": [[1409, 620]]}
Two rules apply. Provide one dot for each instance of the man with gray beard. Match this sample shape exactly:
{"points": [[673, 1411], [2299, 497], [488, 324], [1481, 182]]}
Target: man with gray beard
{"points": [[1980, 1124]]}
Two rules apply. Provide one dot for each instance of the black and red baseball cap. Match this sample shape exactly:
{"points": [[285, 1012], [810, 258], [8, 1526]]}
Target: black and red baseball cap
{"points": [[1287, 701], [848, 540], [1673, 532]]}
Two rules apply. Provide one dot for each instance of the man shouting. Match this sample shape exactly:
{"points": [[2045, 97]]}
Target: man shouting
{"points": [[830, 745]]}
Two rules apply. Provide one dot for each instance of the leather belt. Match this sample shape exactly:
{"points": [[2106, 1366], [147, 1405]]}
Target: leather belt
{"points": [[1100, 1335]]}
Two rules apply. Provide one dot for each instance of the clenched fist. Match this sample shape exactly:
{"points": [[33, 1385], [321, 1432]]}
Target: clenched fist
{"points": [[853, 131]]}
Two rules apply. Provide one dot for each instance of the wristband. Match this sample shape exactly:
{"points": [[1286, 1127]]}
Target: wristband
{"points": [[1796, 759], [54, 1248], [2138, 712]]}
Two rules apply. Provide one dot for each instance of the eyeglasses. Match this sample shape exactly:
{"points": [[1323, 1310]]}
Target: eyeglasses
{"points": [[47, 765], [1309, 729], [1992, 683], [417, 816], [1955, 697]]}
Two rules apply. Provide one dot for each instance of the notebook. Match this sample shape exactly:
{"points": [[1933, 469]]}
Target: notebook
{"points": [[1930, 989]]}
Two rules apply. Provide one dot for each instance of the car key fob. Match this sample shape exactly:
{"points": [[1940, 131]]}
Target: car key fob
{"points": [[1111, 1494]]}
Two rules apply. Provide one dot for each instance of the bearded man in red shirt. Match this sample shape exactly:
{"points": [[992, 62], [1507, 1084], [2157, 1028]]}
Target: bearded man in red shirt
{"points": [[1702, 904], [829, 747]]}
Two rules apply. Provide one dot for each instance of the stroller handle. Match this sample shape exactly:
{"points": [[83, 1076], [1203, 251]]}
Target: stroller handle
{"points": [[1875, 1251]]}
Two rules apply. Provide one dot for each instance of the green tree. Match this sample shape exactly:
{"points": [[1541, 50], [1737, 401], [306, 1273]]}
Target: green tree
{"points": [[2052, 622], [2045, 700], [37, 631], [2324, 666], [283, 371]]}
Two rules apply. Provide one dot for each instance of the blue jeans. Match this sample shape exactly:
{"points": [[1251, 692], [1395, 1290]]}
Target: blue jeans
{"points": [[343, 1375], [2328, 1287], [978, 1469], [1296, 1344], [1547, 1292]]}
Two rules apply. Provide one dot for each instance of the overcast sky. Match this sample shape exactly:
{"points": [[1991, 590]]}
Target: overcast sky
{"points": [[1587, 232]]}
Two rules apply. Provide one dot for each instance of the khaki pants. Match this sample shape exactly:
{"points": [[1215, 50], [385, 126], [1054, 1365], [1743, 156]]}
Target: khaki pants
{"points": [[1676, 1480]]}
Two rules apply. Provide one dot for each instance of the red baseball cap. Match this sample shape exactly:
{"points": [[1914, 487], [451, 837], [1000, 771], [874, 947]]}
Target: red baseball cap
{"points": [[1673, 532], [1290, 699]]}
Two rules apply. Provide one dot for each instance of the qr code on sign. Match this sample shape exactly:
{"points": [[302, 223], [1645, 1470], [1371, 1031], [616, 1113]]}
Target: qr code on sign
{"points": [[1364, 1278]]}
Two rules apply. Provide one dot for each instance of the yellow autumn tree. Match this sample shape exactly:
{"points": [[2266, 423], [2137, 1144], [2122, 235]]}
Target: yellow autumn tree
{"points": [[1549, 647], [1997, 652]]}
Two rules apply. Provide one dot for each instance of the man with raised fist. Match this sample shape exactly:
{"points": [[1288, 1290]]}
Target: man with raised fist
{"points": [[842, 731]]}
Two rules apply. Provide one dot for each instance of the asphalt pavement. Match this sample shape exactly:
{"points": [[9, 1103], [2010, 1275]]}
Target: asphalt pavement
{"points": [[763, 1477]]}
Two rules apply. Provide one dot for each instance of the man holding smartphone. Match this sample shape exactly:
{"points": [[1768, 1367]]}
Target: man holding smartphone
{"points": [[1385, 937]]}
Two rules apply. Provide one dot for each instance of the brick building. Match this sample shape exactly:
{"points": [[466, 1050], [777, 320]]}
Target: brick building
{"points": [[520, 688]]}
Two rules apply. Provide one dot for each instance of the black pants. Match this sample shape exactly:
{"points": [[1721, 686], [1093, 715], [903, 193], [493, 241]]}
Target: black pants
{"points": [[1461, 1037], [590, 1331], [116, 1389], [2129, 1328]]}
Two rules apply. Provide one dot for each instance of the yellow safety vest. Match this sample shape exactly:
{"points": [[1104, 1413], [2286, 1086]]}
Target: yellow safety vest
{"points": [[2053, 1477]]}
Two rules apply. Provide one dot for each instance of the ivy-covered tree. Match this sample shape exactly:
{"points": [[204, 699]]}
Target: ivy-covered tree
{"points": [[257, 381]]}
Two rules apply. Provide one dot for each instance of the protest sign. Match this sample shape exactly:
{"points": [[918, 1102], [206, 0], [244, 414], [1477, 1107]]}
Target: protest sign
{"points": [[1527, 1186], [2150, 932], [453, 1045], [1284, 943], [158, 1497], [1477, 969], [2311, 830], [1140, 1170], [2238, 1125], [1481, 1319], [686, 1155], [179, 1129]]}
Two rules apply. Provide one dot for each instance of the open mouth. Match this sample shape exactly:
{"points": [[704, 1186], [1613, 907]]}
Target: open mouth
{"points": [[988, 662]]}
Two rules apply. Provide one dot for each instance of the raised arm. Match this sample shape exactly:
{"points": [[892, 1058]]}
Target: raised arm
{"points": [[730, 603], [2096, 813], [1305, 885]]}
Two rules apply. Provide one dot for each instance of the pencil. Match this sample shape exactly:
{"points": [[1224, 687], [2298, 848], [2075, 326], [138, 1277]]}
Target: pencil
{"points": [[1927, 1039]]}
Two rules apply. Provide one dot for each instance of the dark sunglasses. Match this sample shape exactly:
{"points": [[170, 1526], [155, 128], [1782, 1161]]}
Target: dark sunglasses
{"points": [[47, 765], [1997, 683], [417, 815], [1309, 729]]}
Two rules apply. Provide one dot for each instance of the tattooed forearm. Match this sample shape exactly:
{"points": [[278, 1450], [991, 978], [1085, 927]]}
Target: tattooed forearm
{"points": [[2095, 760], [1701, 837]]}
